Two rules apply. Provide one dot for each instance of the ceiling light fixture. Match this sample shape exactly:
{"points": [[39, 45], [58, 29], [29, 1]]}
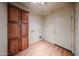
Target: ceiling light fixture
{"points": [[42, 3]]}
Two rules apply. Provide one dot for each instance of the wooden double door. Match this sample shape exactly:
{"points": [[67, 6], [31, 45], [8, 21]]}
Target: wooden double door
{"points": [[17, 30]]}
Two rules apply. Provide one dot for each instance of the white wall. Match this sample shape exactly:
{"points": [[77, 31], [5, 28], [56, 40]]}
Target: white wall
{"points": [[58, 28], [35, 28], [3, 29], [77, 30]]}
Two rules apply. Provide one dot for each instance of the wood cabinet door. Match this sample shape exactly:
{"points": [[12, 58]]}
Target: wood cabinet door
{"points": [[13, 30], [24, 27], [17, 30]]}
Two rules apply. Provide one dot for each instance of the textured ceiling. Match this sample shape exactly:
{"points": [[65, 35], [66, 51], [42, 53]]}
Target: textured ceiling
{"points": [[47, 8]]}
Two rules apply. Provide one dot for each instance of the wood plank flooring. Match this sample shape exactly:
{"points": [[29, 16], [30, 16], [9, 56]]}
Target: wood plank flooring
{"points": [[44, 48]]}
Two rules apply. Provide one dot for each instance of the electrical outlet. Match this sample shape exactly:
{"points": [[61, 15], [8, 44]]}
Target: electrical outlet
{"points": [[40, 37]]}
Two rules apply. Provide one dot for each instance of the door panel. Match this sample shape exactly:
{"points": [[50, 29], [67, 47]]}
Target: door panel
{"points": [[13, 46], [24, 43], [13, 14], [24, 17], [14, 30], [24, 30]]}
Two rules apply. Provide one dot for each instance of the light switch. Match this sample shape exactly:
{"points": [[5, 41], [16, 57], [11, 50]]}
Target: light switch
{"points": [[32, 31]]}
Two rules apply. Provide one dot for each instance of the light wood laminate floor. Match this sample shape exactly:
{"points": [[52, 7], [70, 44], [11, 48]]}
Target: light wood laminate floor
{"points": [[44, 48]]}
